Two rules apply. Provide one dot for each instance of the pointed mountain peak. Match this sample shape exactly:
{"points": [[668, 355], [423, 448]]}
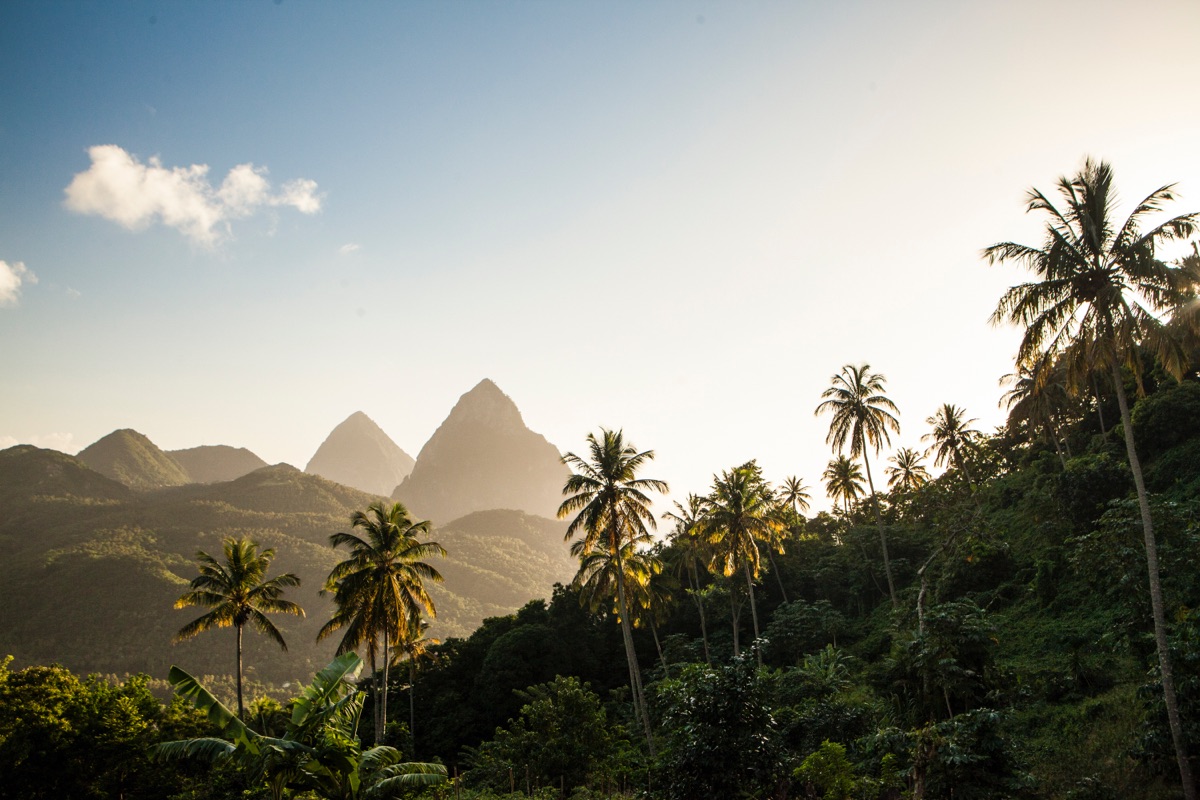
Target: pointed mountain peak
{"points": [[483, 457], [132, 459], [359, 454], [486, 404]]}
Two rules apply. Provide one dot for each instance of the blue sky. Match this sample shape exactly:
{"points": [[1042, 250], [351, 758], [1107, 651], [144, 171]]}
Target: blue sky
{"points": [[676, 218]]}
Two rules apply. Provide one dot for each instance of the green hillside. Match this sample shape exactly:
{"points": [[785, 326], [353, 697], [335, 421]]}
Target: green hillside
{"points": [[93, 569], [130, 458]]}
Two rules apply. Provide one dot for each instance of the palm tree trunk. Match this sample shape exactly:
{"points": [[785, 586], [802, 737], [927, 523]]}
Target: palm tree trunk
{"points": [[241, 708], [412, 709], [753, 611], [887, 563], [1157, 608], [635, 673], [374, 686], [658, 646], [381, 718], [734, 618], [775, 569], [1099, 409], [695, 579], [1057, 446]]}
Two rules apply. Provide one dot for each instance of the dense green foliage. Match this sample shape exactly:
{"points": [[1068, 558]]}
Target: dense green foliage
{"points": [[1011, 628]]}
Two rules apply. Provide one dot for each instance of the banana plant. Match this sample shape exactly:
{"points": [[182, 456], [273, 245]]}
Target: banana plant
{"points": [[320, 749]]}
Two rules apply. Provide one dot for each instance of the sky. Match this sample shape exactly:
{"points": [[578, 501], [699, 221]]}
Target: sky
{"points": [[238, 223]]}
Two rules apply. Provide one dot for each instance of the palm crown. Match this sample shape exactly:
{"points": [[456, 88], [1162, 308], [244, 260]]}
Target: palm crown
{"points": [[1100, 288], [239, 594], [380, 589], [862, 414]]}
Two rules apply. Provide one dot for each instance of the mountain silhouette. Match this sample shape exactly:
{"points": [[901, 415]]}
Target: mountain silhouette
{"points": [[358, 453], [216, 463], [130, 458], [483, 457]]}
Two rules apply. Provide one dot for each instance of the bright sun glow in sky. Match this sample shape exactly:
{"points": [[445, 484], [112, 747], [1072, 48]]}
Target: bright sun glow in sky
{"points": [[239, 223]]}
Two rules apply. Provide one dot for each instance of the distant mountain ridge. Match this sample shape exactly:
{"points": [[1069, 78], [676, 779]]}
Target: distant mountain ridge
{"points": [[216, 463], [484, 457], [358, 453], [130, 458], [91, 568]]}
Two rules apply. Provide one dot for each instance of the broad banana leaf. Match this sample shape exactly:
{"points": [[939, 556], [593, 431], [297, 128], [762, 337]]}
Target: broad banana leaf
{"points": [[226, 721]]}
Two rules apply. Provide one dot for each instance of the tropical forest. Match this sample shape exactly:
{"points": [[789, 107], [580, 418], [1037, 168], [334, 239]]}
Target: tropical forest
{"points": [[980, 614]]}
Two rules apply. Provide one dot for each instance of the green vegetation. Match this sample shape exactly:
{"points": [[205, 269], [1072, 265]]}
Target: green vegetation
{"points": [[380, 589], [239, 594], [1021, 625]]}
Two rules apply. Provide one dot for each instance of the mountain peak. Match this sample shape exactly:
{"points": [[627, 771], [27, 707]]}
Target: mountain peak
{"points": [[359, 454], [483, 457], [132, 459]]}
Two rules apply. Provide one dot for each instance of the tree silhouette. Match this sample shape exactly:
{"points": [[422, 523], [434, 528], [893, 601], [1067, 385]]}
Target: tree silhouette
{"points": [[380, 590], [843, 482], [1037, 397], [907, 472], [239, 593], [862, 418], [1097, 300], [951, 436], [739, 513], [689, 553], [611, 506]]}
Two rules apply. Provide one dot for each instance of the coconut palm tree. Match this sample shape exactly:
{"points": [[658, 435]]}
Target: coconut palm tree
{"points": [[843, 482], [863, 417], [1098, 296], [611, 506], [794, 493], [738, 514], [380, 590], [950, 438], [239, 593], [1037, 396], [907, 472], [689, 549]]}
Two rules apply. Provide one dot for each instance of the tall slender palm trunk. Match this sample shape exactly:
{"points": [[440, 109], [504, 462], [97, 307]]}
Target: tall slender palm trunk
{"points": [[778, 577], [635, 673], [241, 708], [887, 562], [694, 579], [753, 611], [381, 717], [412, 706], [1157, 607]]}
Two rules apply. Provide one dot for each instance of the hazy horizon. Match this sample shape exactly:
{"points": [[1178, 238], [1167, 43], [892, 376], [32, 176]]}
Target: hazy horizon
{"points": [[239, 224]]}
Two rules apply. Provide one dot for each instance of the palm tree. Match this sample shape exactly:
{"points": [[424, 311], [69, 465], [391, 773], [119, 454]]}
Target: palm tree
{"points": [[689, 551], [862, 417], [951, 436], [1097, 300], [239, 593], [1037, 396], [411, 647], [610, 505], [380, 590], [795, 494], [908, 473], [739, 513], [843, 482], [596, 580]]}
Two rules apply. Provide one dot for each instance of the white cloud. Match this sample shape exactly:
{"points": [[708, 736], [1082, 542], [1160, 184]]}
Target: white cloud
{"points": [[347, 249], [118, 187], [11, 277]]}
